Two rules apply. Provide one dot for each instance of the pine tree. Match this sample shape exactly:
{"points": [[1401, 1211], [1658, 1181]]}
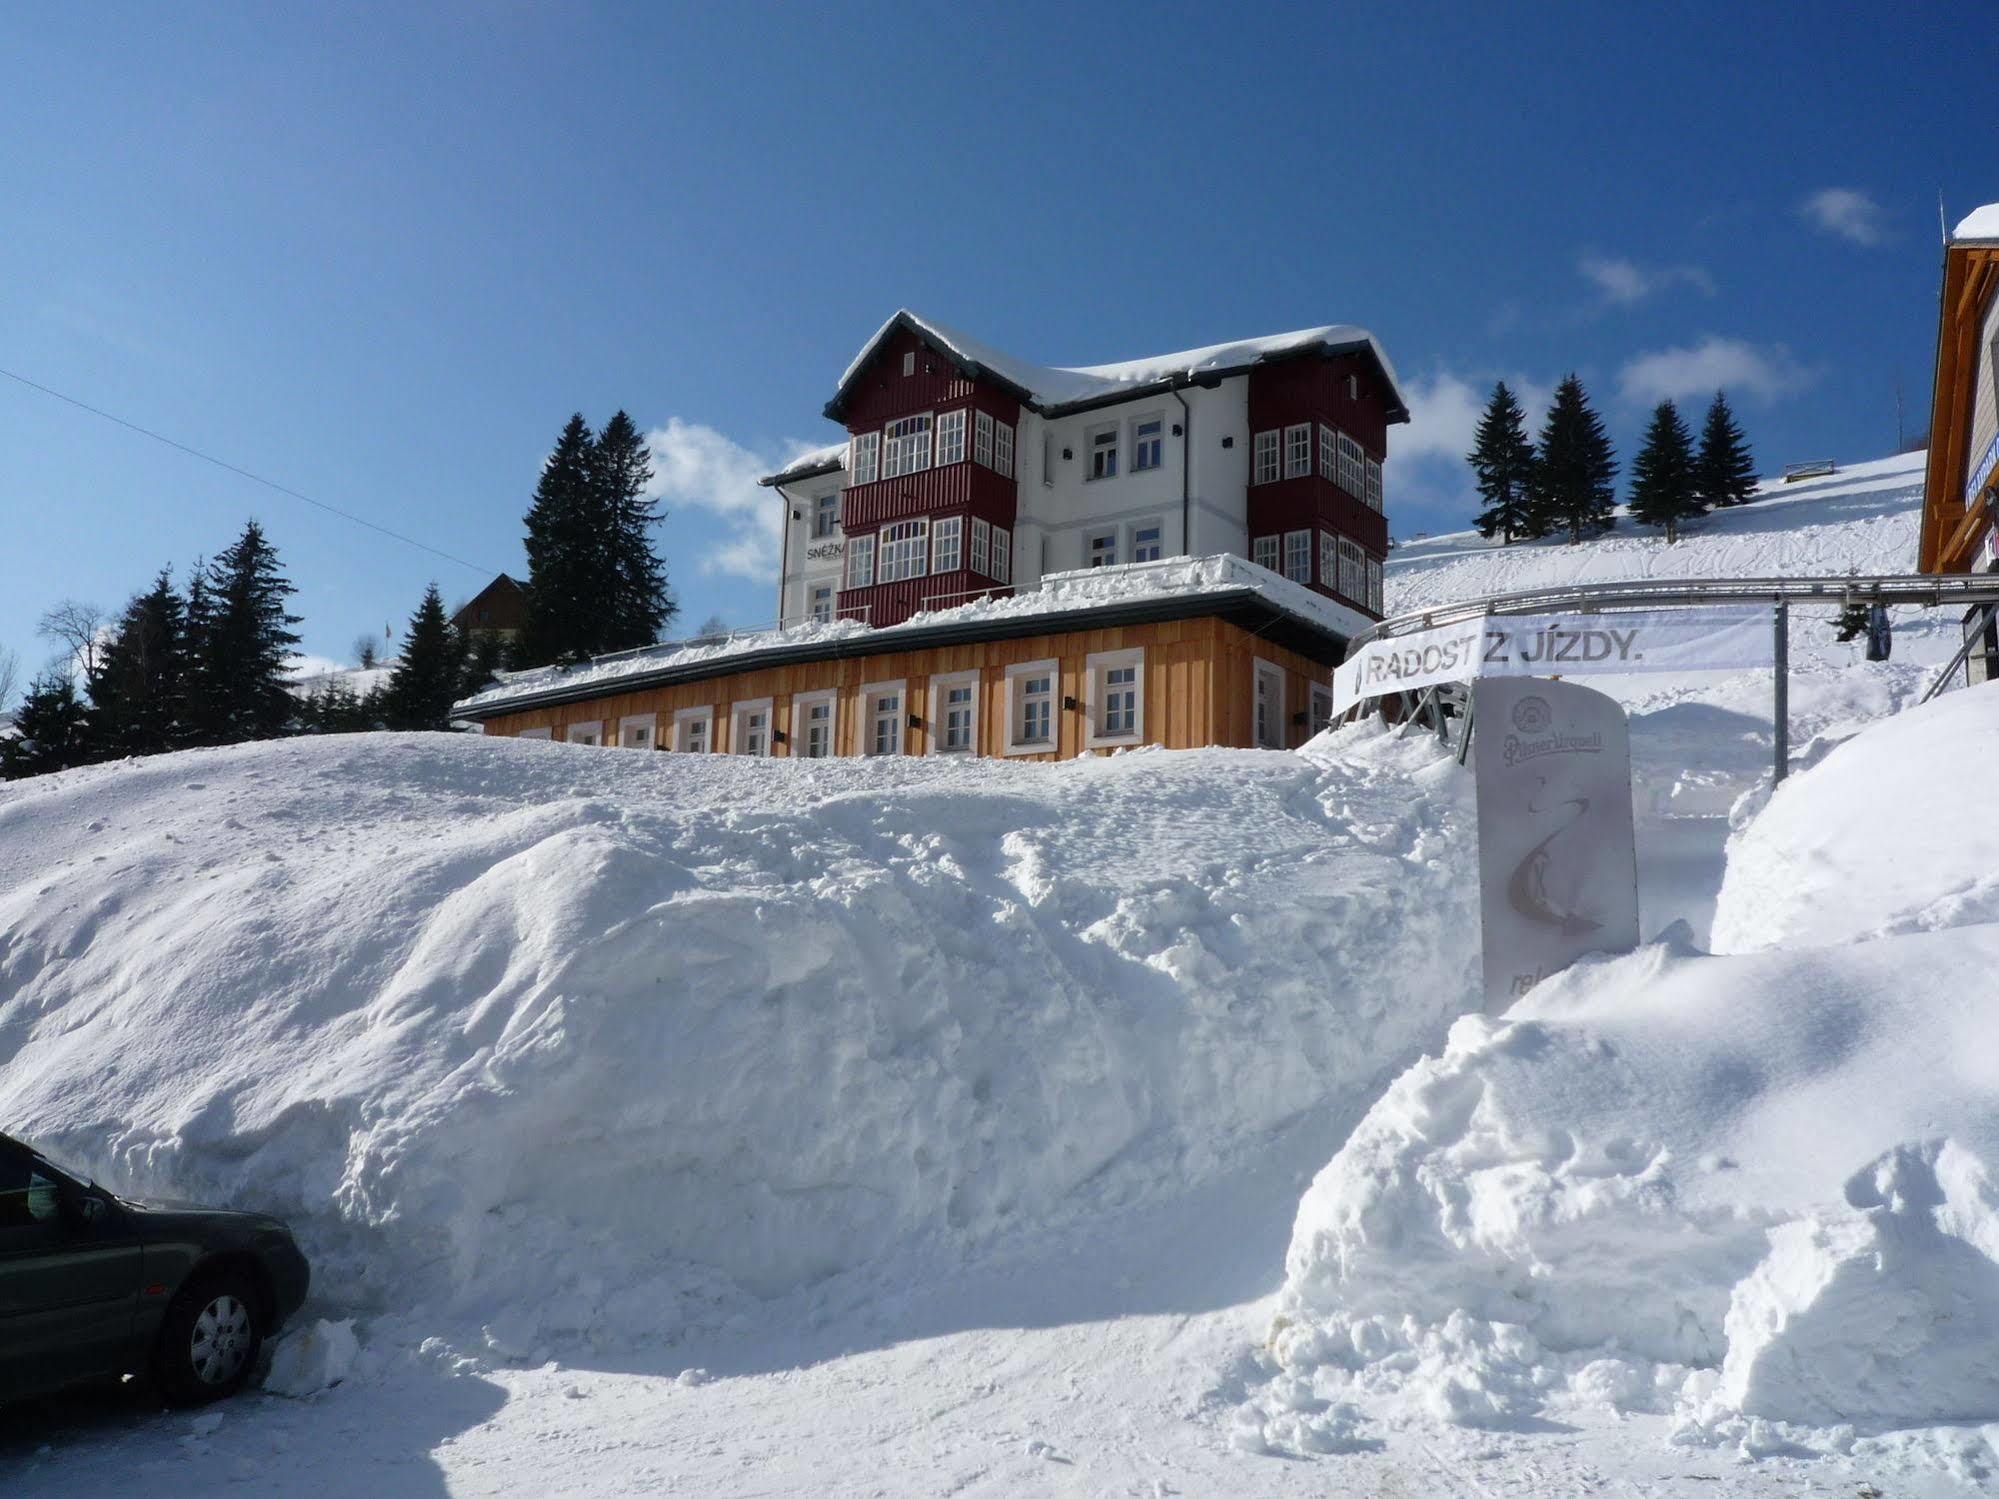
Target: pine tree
{"points": [[1724, 471], [138, 689], [484, 654], [243, 641], [425, 682], [50, 730], [1574, 469], [636, 605], [566, 549], [1502, 457], [1662, 475]]}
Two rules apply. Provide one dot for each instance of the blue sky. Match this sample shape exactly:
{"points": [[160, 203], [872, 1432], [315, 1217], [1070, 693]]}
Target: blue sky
{"points": [[381, 253]]}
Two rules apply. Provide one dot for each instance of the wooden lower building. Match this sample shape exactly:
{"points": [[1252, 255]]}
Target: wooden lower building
{"points": [[1242, 658]]}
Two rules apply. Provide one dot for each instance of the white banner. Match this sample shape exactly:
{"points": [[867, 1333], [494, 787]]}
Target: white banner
{"points": [[1723, 638]]}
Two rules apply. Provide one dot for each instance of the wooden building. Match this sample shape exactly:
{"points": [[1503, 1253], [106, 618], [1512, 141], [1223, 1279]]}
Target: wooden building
{"points": [[499, 610]]}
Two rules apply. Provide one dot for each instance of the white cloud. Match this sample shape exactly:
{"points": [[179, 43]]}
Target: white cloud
{"points": [[694, 465], [1623, 282], [1765, 374], [1428, 482], [1847, 212]]}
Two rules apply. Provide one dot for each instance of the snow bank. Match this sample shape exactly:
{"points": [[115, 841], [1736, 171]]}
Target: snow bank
{"points": [[576, 1041], [1757, 1184], [1874, 840]]}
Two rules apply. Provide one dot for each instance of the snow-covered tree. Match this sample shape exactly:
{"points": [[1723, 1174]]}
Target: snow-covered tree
{"points": [[1502, 458], [50, 731]]}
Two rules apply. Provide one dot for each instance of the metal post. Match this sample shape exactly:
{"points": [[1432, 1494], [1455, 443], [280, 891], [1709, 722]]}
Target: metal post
{"points": [[1781, 712]]}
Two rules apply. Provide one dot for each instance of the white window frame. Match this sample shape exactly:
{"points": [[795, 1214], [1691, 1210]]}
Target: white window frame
{"points": [[1100, 448], [951, 437], [826, 515], [1100, 548], [802, 705], [1329, 558], [1353, 468], [947, 544], [982, 547], [940, 711], [872, 696], [1267, 551], [1298, 556], [645, 723], [1353, 570], [860, 561], [1134, 545], [1267, 690], [1144, 443], [684, 723], [1329, 452], [588, 731], [864, 457], [1002, 555], [1096, 692], [982, 438], [1321, 712], [813, 599], [908, 363], [1267, 461], [904, 552], [1375, 601], [1015, 694], [739, 726], [1003, 449], [1373, 482], [906, 444], [1298, 450], [544, 734]]}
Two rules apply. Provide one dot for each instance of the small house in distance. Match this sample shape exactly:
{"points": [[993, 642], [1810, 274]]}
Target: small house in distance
{"points": [[499, 610], [1011, 559]]}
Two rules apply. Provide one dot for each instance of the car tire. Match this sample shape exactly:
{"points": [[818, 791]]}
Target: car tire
{"points": [[209, 1339]]}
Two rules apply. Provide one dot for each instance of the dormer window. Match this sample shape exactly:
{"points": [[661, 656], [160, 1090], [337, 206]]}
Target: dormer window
{"points": [[907, 450]]}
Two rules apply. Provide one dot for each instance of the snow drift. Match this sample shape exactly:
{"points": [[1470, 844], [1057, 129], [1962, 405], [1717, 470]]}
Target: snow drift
{"points": [[1755, 1190], [607, 1036]]}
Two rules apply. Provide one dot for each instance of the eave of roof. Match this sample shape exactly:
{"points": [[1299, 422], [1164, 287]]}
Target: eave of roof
{"points": [[1245, 606]]}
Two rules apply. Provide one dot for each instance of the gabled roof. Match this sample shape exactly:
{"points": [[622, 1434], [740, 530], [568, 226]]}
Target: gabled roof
{"points": [[1055, 390]]}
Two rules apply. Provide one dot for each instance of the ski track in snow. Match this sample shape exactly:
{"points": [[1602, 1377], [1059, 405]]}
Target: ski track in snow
{"points": [[1104, 1341]]}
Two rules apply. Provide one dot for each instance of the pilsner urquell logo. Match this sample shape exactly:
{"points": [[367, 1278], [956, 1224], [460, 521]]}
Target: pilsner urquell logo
{"points": [[1532, 716]]}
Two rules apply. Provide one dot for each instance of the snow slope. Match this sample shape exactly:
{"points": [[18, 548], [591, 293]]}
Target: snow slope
{"points": [[1755, 1191], [586, 1045]]}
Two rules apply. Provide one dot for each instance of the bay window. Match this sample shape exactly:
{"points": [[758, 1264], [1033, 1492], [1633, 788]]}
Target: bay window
{"points": [[1353, 467], [1002, 555], [908, 447], [865, 454], [982, 439], [1264, 467], [1353, 570], [982, 541], [1003, 449], [951, 438], [947, 544], [1298, 556], [1298, 450], [860, 561], [1263, 552], [905, 550]]}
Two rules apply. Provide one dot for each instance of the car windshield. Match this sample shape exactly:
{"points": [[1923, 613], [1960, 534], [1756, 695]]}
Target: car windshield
{"points": [[29, 1191]]}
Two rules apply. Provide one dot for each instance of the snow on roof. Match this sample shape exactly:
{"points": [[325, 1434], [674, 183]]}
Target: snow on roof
{"points": [[824, 460], [1979, 224], [1059, 593], [1055, 387]]}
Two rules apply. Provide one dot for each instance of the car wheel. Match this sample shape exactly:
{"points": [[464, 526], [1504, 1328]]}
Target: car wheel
{"points": [[209, 1340]]}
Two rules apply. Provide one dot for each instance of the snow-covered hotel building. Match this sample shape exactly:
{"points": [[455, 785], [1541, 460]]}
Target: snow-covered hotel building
{"points": [[1010, 559]]}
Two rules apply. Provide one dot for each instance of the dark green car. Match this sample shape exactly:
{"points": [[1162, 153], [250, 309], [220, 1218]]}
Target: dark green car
{"points": [[93, 1287]]}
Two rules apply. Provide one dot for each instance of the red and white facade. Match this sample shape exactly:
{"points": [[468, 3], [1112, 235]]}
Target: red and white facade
{"points": [[967, 472]]}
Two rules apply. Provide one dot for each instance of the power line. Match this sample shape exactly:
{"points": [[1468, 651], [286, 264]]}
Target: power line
{"points": [[222, 463]]}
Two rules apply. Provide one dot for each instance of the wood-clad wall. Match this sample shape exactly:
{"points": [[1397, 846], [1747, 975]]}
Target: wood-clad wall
{"points": [[1199, 690]]}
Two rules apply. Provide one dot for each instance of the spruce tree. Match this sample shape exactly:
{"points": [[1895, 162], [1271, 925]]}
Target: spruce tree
{"points": [[138, 689], [425, 682], [1662, 475], [566, 549], [1724, 471], [636, 605], [484, 654], [1502, 458], [245, 639], [1574, 469], [50, 729]]}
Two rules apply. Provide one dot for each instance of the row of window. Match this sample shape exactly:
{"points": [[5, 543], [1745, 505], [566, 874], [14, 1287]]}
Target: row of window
{"points": [[1287, 453], [1144, 541], [1343, 566], [1147, 444], [1114, 709], [916, 548], [911, 444]]}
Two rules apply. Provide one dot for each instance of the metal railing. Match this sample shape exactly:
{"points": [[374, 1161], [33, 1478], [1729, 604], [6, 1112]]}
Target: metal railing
{"points": [[1817, 468], [932, 601]]}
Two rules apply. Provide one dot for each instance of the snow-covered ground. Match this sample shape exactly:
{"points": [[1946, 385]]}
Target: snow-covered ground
{"points": [[733, 1127]]}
